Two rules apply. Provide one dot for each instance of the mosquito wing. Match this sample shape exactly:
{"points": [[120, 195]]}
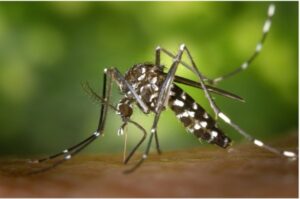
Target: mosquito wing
{"points": [[212, 89]]}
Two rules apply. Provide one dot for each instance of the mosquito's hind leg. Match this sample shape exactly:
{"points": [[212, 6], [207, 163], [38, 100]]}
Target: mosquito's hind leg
{"points": [[258, 48]]}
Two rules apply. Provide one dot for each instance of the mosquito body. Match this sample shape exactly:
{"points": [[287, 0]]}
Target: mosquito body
{"points": [[153, 90], [146, 80]]}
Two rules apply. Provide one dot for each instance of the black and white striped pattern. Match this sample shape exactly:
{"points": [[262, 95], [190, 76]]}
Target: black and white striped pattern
{"points": [[195, 119]]}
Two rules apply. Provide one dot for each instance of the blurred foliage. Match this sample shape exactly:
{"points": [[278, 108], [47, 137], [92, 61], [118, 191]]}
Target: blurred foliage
{"points": [[48, 48]]}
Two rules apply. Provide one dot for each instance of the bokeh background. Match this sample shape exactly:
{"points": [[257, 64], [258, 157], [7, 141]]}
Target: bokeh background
{"points": [[48, 48]]}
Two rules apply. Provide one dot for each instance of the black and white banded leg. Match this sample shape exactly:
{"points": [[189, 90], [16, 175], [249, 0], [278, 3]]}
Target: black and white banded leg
{"points": [[68, 153], [258, 48]]}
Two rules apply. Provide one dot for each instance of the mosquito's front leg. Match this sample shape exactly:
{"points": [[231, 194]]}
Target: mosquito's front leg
{"points": [[70, 152]]}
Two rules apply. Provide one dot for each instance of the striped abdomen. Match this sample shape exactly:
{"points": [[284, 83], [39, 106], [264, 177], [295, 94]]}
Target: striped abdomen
{"points": [[195, 119]]}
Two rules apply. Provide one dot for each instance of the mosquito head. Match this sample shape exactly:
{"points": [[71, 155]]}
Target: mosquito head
{"points": [[125, 110]]}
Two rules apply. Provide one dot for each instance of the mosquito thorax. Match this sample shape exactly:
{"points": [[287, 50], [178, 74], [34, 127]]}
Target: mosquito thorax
{"points": [[145, 79]]}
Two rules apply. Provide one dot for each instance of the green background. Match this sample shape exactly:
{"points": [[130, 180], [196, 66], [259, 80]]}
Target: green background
{"points": [[48, 48]]}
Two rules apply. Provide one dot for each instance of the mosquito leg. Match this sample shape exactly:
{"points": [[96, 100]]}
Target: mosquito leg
{"points": [[106, 93], [259, 45], [68, 153], [139, 143], [170, 54], [66, 157], [157, 63], [227, 120], [169, 78], [157, 144]]}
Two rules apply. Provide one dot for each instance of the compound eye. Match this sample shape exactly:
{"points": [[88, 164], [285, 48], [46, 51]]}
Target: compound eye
{"points": [[125, 110]]}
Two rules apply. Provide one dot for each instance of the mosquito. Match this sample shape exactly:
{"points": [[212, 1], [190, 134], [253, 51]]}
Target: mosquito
{"points": [[151, 89]]}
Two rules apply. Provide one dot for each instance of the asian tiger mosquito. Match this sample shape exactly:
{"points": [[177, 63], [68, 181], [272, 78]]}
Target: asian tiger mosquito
{"points": [[151, 89]]}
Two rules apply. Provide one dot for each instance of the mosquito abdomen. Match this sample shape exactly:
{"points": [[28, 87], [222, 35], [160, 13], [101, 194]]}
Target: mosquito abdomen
{"points": [[195, 119]]}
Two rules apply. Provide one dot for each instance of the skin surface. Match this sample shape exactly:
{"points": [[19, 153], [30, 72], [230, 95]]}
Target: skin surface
{"points": [[242, 171]]}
